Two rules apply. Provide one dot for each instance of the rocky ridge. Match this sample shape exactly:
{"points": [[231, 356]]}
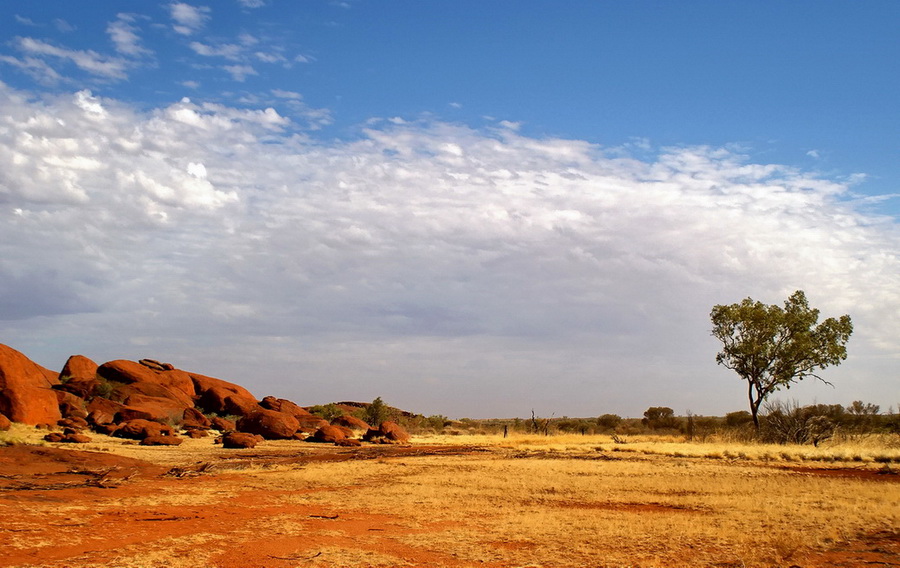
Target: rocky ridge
{"points": [[157, 404]]}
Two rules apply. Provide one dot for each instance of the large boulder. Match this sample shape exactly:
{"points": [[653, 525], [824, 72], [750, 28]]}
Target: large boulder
{"points": [[129, 372], [237, 440], [221, 397], [161, 441], [139, 429], [328, 434], [311, 423], [194, 419], [222, 424], [283, 405], [351, 422], [26, 393], [70, 404], [270, 424], [79, 376], [387, 432], [5, 423], [102, 411]]}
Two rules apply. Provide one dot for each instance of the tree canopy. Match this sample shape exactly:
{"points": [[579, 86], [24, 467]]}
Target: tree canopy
{"points": [[772, 347]]}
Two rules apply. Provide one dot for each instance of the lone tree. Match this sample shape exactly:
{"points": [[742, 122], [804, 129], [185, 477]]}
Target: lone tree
{"points": [[772, 347]]}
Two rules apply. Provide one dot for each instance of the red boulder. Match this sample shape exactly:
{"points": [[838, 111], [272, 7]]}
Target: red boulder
{"points": [[221, 397], [351, 422], [222, 424], [328, 434], [283, 405], [387, 432], [311, 423], [5, 423], [239, 440], [269, 424], [26, 395], [130, 372], [139, 429], [161, 441]]}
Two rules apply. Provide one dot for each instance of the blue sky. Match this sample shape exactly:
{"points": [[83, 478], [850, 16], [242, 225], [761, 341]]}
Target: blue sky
{"points": [[468, 208]]}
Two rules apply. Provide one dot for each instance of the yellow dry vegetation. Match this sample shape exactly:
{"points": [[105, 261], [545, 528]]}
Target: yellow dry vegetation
{"points": [[525, 501]]}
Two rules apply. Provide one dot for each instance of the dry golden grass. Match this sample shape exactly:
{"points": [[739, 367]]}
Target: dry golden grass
{"points": [[561, 511], [561, 501]]}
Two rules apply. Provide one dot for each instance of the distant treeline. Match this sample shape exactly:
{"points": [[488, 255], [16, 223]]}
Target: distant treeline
{"points": [[783, 422]]}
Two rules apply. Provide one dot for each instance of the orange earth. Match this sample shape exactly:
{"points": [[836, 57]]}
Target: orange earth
{"points": [[76, 533]]}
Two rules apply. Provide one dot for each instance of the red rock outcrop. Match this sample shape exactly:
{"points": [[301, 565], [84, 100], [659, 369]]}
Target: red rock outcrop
{"points": [[328, 434], [222, 424], [387, 432], [161, 441], [70, 404], [221, 397], [129, 372], [25, 389], [311, 423], [237, 440], [102, 411], [284, 405], [5, 423], [79, 367], [139, 429], [351, 422], [270, 424]]}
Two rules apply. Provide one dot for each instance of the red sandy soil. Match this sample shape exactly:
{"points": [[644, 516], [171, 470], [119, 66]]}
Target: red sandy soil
{"points": [[47, 517]]}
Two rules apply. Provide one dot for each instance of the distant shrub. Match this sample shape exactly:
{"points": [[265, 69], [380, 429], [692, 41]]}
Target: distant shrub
{"points": [[789, 423], [608, 422], [328, 411]]}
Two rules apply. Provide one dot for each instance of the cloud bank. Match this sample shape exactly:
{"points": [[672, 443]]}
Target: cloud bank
{"points": [[448, 269]]}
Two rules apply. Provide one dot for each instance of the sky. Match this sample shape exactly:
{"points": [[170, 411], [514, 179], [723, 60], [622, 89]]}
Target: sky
{"points": [[475, 209]]}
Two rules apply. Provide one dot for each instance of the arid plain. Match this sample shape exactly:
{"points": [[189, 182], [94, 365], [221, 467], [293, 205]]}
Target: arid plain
{"points": [[464, 500]]}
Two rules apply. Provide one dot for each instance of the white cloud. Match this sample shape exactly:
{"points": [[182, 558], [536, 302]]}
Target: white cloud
{"points": [[252, 3], [63, 25], [188, 19], [86, 60], [124, 36], [511, 271], [228, 51], [240, 72]]}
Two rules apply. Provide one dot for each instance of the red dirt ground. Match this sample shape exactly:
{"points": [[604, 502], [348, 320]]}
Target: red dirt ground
{"points": [[48, 516]]}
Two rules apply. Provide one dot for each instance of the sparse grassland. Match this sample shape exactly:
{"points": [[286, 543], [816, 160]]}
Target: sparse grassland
{"points": [[560, 501]]}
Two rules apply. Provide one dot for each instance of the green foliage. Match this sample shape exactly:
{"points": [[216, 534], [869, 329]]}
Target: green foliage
{"points": [[657, 417], [376, 413], [105, 388], [738, 419], [609, 421], [328, 411], [772, 347]]}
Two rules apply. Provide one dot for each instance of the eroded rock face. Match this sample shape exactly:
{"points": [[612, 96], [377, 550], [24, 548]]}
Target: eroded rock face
{"points": [[221, 397], [129, 372], [269, 424], [26, 393]]}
